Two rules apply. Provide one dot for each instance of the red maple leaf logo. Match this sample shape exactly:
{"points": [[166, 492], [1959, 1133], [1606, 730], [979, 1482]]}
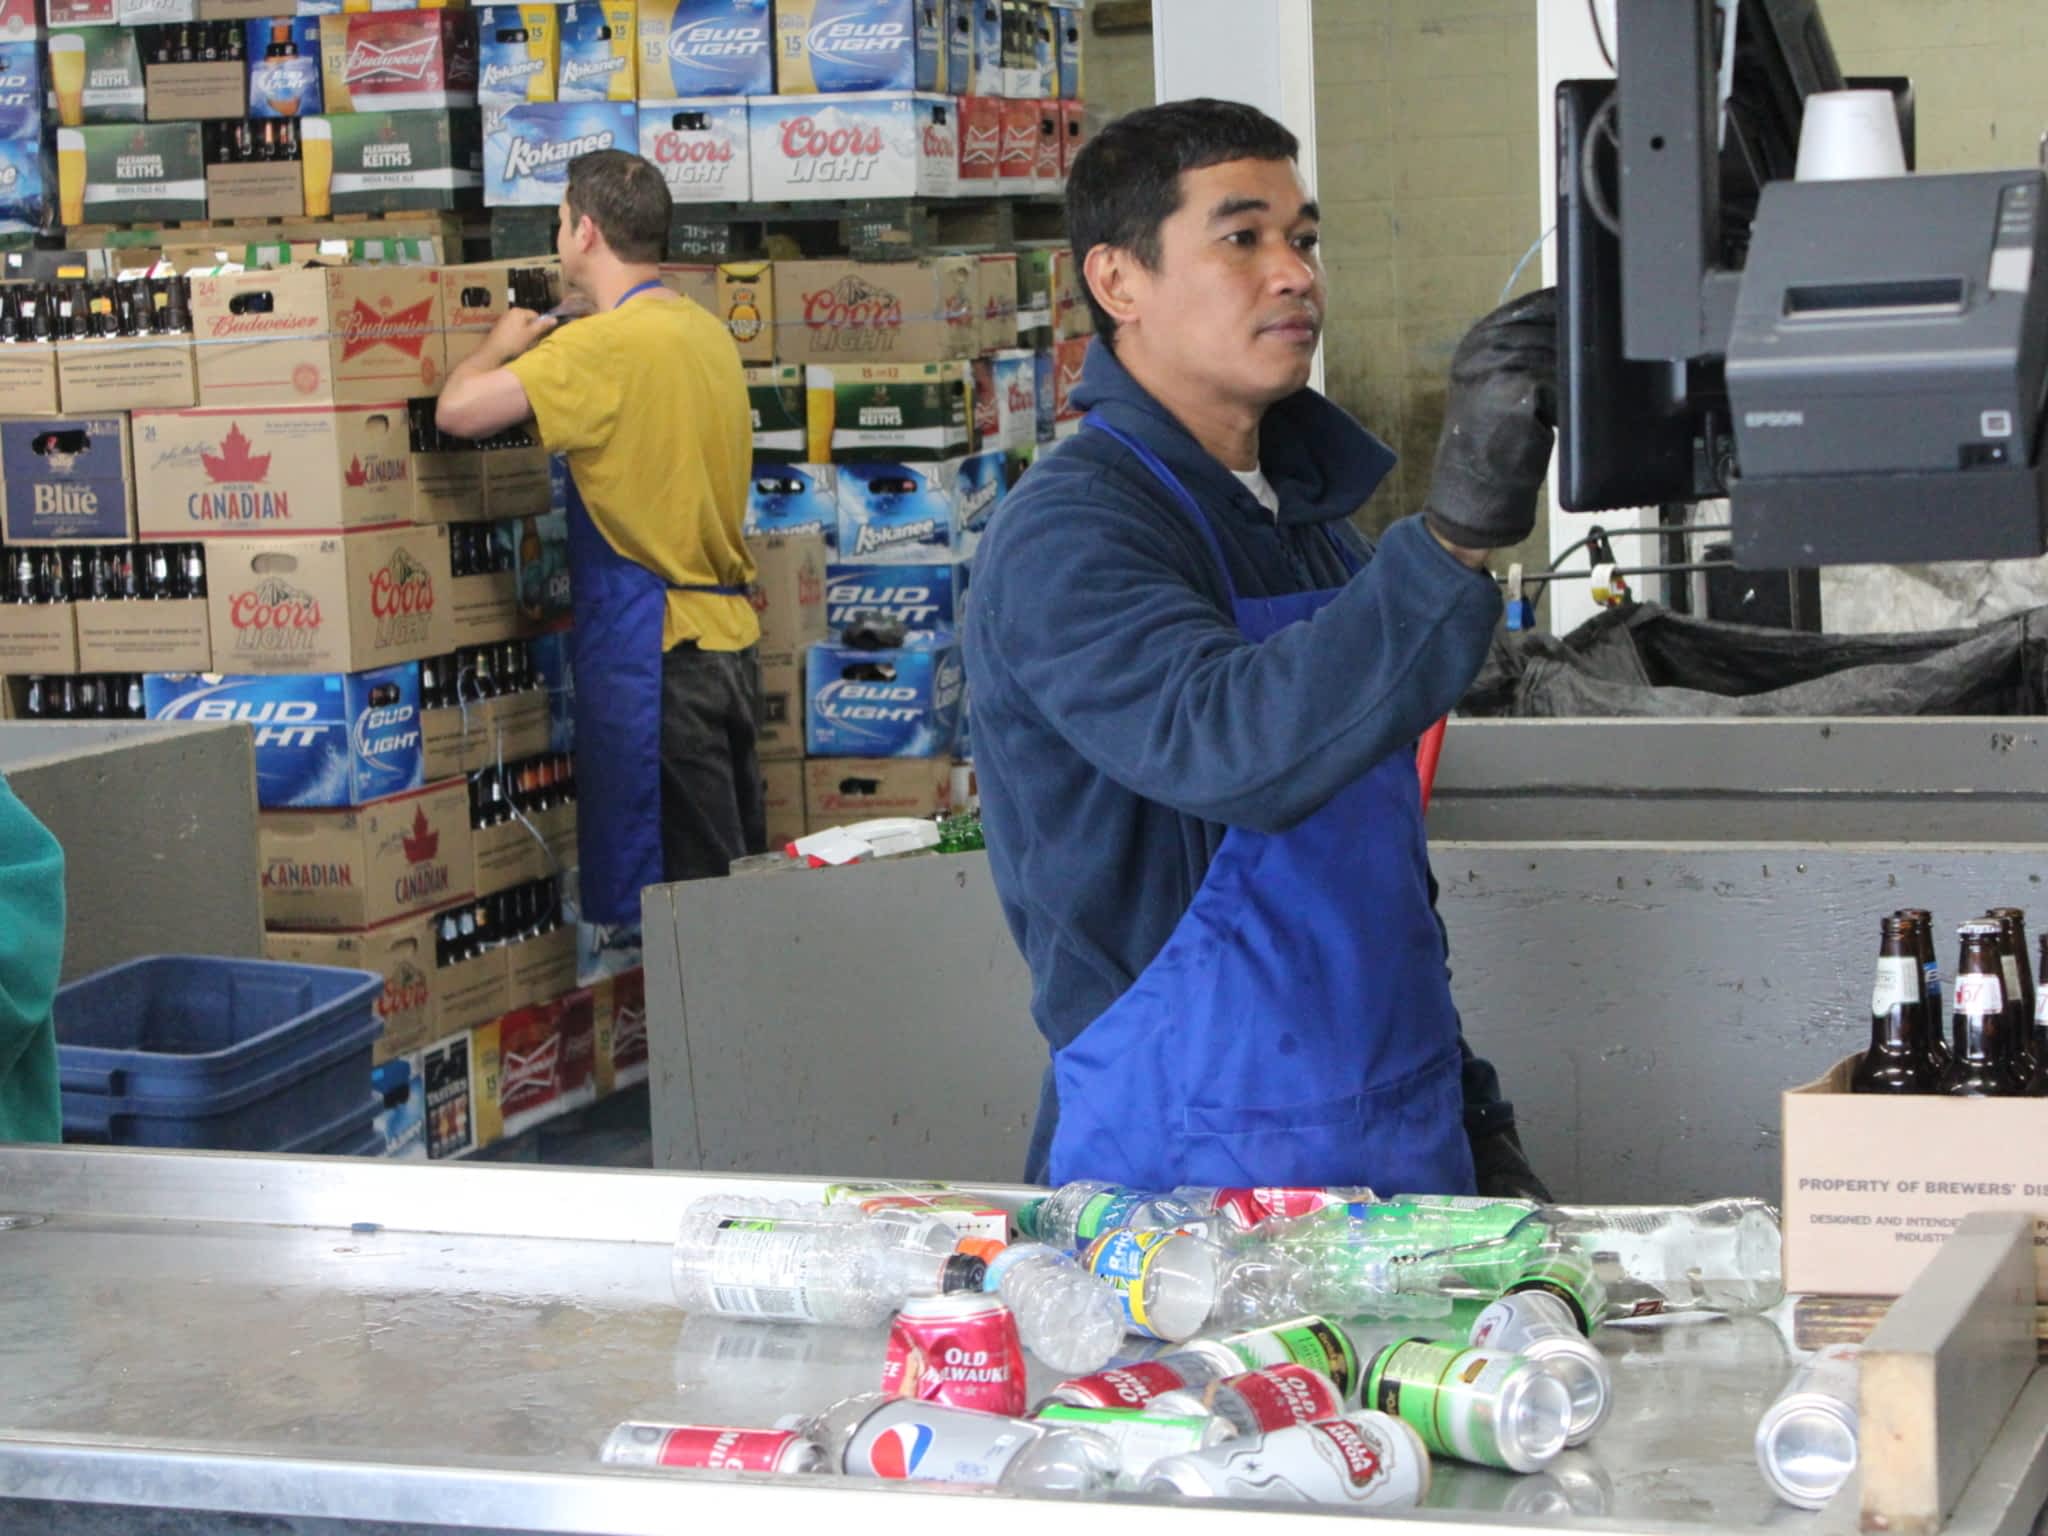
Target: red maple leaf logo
{"points": [[405, 330], [422, 842], [234, 462], [353, 475]]}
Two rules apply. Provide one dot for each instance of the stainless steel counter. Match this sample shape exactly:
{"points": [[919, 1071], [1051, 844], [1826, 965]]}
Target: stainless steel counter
{"points": [[327, 1340]]}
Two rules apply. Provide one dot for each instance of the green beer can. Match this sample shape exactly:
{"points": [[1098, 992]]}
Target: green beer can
{"points": [[1476, 1405]]}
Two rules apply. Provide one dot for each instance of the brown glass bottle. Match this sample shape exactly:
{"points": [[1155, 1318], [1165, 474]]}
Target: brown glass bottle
{"points": [[2019, 1001], [1981, 1064], [1897, 1060], [1937, 995]]}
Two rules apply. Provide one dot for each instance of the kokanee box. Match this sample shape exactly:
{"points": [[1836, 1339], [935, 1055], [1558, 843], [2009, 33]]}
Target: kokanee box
{"points": [[341, 335], [337, 604], [834, 311], [1874, 1184], [295, 469], [356, 868], [746, 302], [789, 590], [841, 790], [782, 798], [981, 139], [704, 48], [996, 285], [700, 148], [823, 46], [398, 61], [890, 144], [421, 1001], [518, 52], [67, 478], [600, 53], [528, 148], [800, 499], [893, 411]]}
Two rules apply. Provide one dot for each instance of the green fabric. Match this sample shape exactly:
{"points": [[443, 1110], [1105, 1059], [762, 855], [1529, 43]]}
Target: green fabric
{"points": [[31, 955]]}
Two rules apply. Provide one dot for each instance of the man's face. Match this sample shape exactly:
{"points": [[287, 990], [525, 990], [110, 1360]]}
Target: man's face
{"points": [[1236, 301]]}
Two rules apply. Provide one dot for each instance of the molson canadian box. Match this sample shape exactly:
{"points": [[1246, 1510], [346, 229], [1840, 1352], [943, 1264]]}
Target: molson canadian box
{"points": [[398, 61], [828, 46], [527, 149], [598, 52], [356, 867], [704, 48], [846, 311], [700, 148], [345, 335], [332, 739], [899, 514], [290, 469], [793, 498], [517, 53], [891, 144], [909, 411], [897, 703], [922, 596], [335, 604], [284, 67]]}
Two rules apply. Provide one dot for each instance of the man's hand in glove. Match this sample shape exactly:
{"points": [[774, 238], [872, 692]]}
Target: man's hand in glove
{"points": [[1503, 1168], [1498, 428]]}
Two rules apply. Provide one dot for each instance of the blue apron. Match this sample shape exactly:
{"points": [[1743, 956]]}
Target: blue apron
{"points": [[1297, 1027], [619, 606]]}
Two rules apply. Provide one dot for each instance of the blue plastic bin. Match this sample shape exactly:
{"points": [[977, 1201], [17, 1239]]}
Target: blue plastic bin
{"points": [[201, 1051], [354, 1134]]}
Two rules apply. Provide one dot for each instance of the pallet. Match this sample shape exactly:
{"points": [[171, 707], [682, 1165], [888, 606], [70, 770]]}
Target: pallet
{"points": [[444, 226]]}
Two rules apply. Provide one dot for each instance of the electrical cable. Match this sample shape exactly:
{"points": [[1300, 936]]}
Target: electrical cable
{"points": [[1600, 32], [1521, 266]]}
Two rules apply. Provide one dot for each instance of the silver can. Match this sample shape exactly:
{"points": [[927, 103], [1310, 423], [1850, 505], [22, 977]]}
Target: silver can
{"points": [[1540, 1326], [1806, 1440], [1143, 1437], [1137, 1384], [1363, 1460], [1259, 1402], [711, 1448], [1482, 1405]]}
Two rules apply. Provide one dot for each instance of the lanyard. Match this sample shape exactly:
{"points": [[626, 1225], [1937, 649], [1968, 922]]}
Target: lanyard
{"points": [[638, 288]]}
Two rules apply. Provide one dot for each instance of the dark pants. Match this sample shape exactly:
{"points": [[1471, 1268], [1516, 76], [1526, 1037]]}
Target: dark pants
{"points": [[710, 775]]}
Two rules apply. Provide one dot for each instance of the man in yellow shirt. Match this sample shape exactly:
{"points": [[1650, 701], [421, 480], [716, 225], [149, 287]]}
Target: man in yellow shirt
{"points": [[645, 396]]}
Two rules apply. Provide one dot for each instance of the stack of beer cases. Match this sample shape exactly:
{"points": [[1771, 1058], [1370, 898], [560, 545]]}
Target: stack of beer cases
{"points": [[254, 112], [554, 82]]}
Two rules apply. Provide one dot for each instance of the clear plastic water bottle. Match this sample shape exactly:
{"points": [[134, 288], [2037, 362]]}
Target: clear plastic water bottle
{"points": [[1066, 1317], [1165, 1281], [876, 1436], [1075, 1215], [1246, 1210], [787, 1261]]}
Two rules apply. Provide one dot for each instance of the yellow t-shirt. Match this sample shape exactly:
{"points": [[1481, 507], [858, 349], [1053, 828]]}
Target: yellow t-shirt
{"points": [[649, 403]]}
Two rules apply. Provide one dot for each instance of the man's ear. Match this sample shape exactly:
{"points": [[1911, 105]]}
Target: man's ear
{"points": [[1109, 271]]}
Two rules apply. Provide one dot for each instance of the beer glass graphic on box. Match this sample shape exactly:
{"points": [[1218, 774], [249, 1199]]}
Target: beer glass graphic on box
{"points": [[67, 77], [316, 165], [70, 176]]}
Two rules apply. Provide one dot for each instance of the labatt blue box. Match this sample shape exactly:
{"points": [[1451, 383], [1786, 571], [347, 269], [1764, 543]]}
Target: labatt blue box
{"points": [[705, 48], [826, 46], [899, 703], [527, 148], [921, 596], [67, 477], [324, 741], [794, 498]]}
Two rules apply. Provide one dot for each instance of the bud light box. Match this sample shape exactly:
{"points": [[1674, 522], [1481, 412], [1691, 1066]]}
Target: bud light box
{"points": [[824, 147], [984, 24], [700, 148], [27, 187], [704, 48], [921, 596], [599, 56], [67, 478], [517, 53], [899, 703], [355, 867], [794, 498], [330, 740], [527, 149], [21, 92], [284, 67], [827, 46]]}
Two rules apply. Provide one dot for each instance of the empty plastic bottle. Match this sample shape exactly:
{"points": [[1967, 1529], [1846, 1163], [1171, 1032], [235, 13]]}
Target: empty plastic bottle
{"points": [[876, 1436], [1246, 1210], [1065, 1316], [1075, 1215], [1165, 1281], [786, 1261]]}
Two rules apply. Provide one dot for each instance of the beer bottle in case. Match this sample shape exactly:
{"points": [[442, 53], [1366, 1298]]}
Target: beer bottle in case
{"points": [[2019, 1000], [195, 570], [1897, 1060], [1981, 1064]]}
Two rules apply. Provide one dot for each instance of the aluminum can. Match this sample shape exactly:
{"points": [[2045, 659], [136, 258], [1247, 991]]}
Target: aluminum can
{"points": [[1539, 1326], [1315, 1342], [1364, 1460], [1136, 1385], [1142, 1436], [1570, 1278], [1806, 1440], [1482, 1405], [1259, 1402], [961, 1350], [933, 1442], [707, 1447]]}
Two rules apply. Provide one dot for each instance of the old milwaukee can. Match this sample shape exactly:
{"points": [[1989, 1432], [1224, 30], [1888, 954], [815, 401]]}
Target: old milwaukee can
{"points": [[705, 1447], [1257, 1402], [961, 1350], [1139, 1384], [1364, 1460]]}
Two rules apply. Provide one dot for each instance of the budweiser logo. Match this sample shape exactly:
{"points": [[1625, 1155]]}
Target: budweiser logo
{"points": [[803, 138], [363, 327], [981, 146], [274, 615], [629, 1034], [852, 302], [369, 63], [530, 1076], [272, 324]]}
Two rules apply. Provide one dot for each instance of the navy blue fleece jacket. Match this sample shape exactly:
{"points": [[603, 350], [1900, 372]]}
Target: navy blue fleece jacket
{"points": [[1121, 722]]}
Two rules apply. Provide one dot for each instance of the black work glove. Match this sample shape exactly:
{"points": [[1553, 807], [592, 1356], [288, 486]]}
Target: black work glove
{"points": [[1498, 426], [1503, 1168]]}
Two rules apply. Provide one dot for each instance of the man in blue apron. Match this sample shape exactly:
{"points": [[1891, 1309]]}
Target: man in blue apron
{"points": [[646, 397], [1197, 694]]}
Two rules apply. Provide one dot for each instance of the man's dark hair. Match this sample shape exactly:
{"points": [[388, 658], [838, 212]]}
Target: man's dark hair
{"points": [[1125, 183], [625, 197]]}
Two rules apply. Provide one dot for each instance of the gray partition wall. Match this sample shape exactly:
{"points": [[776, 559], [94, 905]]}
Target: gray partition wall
{"points": [[1646, 1003]]}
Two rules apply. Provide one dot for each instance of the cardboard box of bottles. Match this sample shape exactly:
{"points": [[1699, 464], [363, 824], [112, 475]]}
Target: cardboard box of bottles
{"points": [[789, 590], [402, 61], [620, 1002], [96, 76], [122, 173], [696, 281], [474, 297], [28, 379], [356, 868], [125, 373], [67, 479], [169, 635], [854, 312], [841, 790], [746, 302], [38, 637], [782, 798], [534, 1063], [195, 91], [484, 608], [461, 739], [327, 335], [280, 470], [480, 485], [516, 851], [781, 733], [892, 412], [255, 191], [429, 1095], [391, 162], [1874, 1183]]}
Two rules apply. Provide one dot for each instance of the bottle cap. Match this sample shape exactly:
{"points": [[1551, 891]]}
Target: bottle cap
{"points": [[1027, 1218], [963, 1272], [983, 1248]]}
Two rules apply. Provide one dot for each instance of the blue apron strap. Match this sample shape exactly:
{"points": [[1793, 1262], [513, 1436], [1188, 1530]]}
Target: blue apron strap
{"points": [[646, 287], [1167, 478], [686, 586]]}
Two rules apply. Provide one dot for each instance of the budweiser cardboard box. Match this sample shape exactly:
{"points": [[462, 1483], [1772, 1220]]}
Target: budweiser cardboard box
{"points": [[403, 61], [527, 149], [794, 499], [781, 732], [981, 143], [134, 637], [67, 479], [704, 48], [824, 46], [1073, 134], [1017, 154], [421, 1000], [696, 281], [1047, 173], [37, 637], [782, 798], [391, 162], [130, 174], [535, 1063], [28, 379], [516, 851], [321, 742], [335, 604], [996, 287], [829, 147], [915, 412], [336, 335], [895, 703], [463, 738], [475, 296], [620, 1003], [781, 414], [600, 52], [541, 969], [746, 302], [1874, 1184], [356, 868], [294, 469], [113, 373], [789, 590], [841, 790], [840, 311], [700, 147]]}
